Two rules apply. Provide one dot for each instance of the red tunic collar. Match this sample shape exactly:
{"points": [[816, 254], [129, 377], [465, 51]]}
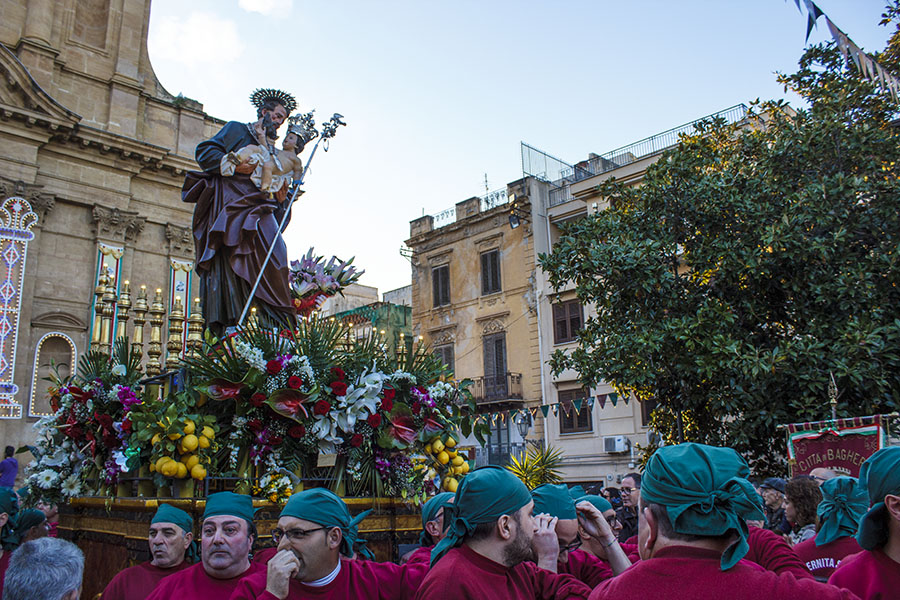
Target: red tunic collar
{"points": [[482, 562]]}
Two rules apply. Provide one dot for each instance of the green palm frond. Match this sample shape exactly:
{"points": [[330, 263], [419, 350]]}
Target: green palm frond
{"points": [[537, 466]]}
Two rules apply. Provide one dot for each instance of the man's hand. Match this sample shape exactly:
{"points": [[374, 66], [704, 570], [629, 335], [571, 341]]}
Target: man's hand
{"points": [[593, 523], [260, 131], [545, 543], [282, 567]]}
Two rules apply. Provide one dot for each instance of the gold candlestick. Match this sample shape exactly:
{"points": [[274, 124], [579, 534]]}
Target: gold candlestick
{"points": [[98, 309], [195, 330], [140, 317], [109, 312], [154, 350], [124, 306], [176, 327]]}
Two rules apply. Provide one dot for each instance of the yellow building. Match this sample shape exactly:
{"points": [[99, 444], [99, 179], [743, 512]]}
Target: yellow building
{"points": [[599, 440], [93, 153], [473, 302]]}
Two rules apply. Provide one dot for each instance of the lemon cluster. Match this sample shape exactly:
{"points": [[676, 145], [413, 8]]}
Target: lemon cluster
{"points": [[444, 454], [188, 443]]}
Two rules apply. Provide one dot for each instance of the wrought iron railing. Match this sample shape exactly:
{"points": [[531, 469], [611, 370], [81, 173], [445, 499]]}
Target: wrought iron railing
{"points": [[539, 164], [497, 388], [488, 201]]}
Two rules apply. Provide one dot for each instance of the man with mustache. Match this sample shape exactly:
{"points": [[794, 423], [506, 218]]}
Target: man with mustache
{"points": [[226, 537], [171, 535], [315, 537]]}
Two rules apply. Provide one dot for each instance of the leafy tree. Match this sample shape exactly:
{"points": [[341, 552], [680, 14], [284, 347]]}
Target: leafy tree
{"points": [[754, 262]]}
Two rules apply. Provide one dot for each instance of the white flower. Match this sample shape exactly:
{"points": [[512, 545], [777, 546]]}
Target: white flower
{"points": [[399, 375], [253, 356], [47, 478], [119, 370], [71, 486], [59, 458], [120, 459]]}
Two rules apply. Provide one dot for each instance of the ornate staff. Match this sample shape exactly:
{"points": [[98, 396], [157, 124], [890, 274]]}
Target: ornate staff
{"points": [[304, 122]]}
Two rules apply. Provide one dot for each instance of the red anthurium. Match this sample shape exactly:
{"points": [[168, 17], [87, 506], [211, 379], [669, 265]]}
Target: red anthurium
{"points": [[289, 403], [220, 389], [403, 428]]}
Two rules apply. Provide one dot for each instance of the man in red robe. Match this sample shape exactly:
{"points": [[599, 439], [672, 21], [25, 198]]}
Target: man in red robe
{"points": [[770, 551], [842, 508], [692, 534], [432, 527], [609, 514], [315, 538], [555, 500], [171, 535], [875, 572], [226, 537], [489, 533]]}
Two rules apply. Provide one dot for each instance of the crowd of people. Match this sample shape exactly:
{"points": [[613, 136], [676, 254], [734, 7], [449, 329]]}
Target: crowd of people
{"points": [[691, 526]]}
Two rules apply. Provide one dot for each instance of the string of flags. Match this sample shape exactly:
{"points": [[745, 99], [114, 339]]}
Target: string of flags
{"points": [[546, 409], [851, 52]]}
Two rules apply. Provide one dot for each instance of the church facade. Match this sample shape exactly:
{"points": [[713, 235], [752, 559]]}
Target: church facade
{"points": [[93, 153]]}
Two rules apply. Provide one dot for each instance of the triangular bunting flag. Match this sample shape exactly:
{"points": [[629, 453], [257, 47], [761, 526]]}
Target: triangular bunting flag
{"points": [[814, 14], [555, 408], [534, 412], [613, 398], [590, 403], [577, 405], [602, 400], [625, 399], [545, 409], [565, 409]]}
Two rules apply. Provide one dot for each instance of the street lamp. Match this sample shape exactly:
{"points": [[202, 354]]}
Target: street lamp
{"points": [[523, 423]]}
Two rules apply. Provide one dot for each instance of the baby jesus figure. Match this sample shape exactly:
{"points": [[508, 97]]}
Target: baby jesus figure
{"points": [[274, 170]]}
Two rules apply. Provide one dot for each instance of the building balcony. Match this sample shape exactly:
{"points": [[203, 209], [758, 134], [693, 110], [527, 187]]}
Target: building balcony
{"points": [[496, 389]]}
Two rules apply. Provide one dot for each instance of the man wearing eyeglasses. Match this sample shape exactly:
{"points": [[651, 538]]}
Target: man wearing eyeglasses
{"points": [[556, 501], [315, 537], [226, 537], [631, 495]]}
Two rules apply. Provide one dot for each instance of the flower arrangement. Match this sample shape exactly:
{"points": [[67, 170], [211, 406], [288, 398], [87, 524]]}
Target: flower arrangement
{"points": [[313, 280]]}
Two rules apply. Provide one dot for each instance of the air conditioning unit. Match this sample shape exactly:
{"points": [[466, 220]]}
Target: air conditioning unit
{"points": [[616, 444]]}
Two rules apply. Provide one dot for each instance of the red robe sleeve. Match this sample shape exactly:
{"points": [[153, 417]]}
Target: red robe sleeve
{"points": [[554, 586], [771, 552], [586, 568]]}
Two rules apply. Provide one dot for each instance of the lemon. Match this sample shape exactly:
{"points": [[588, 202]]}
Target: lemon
{"points": [[437, 446], [464, 467], [208, 432], [156, 438], [161, 462], [190, 442], [170, 468], [203, 441], [174, 436], [451, 453], [457, 461], [190, 460], [189, 427], [182, 470], [198, 472], [451, 443], [427, 448], [152, 467], [443, 458], [451, 484]]}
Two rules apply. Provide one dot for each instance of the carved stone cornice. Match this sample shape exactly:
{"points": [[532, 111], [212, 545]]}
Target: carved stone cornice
{"points": [[181, 241], [117, 225], [41, 203]]}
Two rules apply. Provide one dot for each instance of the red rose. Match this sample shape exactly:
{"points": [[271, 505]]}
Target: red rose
{"points": [[294, 382], [356, 441], [338, 373], [374, 421], [389, 394], [416, 408], [322, 407], [387, 404], [258, 399], [297, 431], [274, 440], [255, 425], [339, 388], [273, 367], [126, 426]]}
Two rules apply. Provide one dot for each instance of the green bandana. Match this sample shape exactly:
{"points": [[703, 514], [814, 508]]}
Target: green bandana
{"points": [[9, 504], [879, 476], [554, 499], [483, 496], [28, 518], [843, 505], [429, 513], [601, 503], [705, 493], [325, 508], [231, 504], [577, 491]]}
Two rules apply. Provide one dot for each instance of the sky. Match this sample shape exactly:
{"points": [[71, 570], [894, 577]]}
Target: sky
{"points": [[438, 95]]}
